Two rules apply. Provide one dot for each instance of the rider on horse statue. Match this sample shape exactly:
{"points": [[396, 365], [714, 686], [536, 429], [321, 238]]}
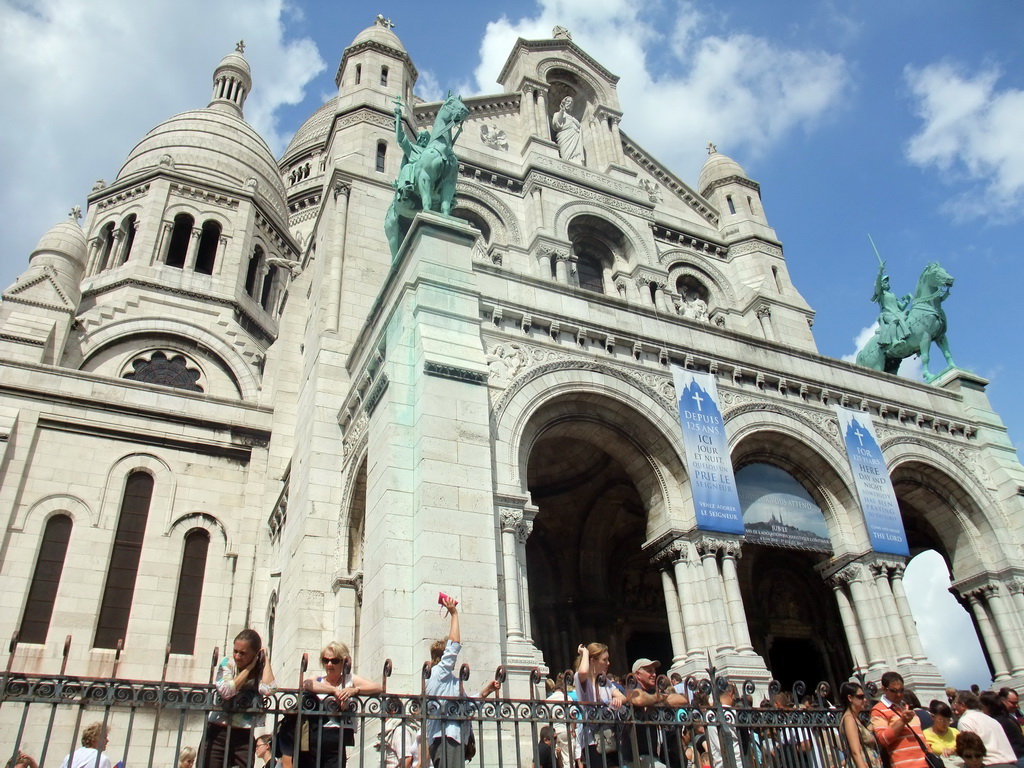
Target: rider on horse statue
{"points": [[892, 320]]}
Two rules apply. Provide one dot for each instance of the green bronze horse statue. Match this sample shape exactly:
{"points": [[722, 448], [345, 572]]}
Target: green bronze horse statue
{"points": [[426, 181], [925, 322]]}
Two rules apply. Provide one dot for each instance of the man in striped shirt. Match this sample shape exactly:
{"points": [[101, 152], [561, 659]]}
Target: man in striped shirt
{"points": [[896, 726]]}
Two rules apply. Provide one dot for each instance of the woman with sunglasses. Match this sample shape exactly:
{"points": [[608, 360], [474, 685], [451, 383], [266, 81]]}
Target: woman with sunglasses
{"points": [[860, 742], [336, 732]]}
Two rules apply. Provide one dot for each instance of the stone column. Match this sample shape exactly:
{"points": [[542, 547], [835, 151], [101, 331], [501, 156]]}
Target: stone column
{"points": [[705, 614], [510, 520], [988, 635], [661, 301], [222, 249], [528, 109], [663, 560], [737, 615], [687, 603], [164, 243], [544, 257], [1008, 633], [562, 268], [542, 112], [906, 615], [94, 251], [838, 583], [118, 254], [537, 196], [708, 548], [336, 250], [862, 605], [1016, 589], [523, 532], [764, 316], [887, 606], [193, 250], [616, 141]]}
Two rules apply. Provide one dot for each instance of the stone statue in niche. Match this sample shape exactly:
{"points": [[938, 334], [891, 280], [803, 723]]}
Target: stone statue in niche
{"points": [[568, 133], [694, 307]]}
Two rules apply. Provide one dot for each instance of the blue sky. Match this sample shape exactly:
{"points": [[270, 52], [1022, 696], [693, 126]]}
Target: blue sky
{"points": [[902, 120]]}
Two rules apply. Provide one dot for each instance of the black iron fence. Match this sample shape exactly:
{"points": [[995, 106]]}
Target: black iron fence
{"points": [[149, 723]]}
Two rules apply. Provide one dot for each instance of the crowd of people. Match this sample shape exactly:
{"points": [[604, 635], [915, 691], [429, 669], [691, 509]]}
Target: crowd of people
{"points": [[972, 729]]}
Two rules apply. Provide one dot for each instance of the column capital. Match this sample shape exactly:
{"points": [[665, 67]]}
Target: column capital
{"points": [[1015, 585], [341, 188], [511, 517], [712, 545], [844, 576], [523, 530], [671, 553]]}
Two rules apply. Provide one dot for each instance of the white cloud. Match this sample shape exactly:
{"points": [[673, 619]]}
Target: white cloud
{"points": [[971, 132], [946, 630], [861, 341], [84, 80], [427, 86], [742, 91]]}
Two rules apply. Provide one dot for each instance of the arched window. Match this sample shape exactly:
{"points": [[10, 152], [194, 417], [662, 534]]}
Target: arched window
{"points": [[268, 288], [190, 591], [208, 243], [181, 235], [359, 73], [382, 151], [597, 244], [589, 271], [253, 273], [128, 227], [384, 76], [124, 560], [108, 246], [42, 592], [729, 202]]}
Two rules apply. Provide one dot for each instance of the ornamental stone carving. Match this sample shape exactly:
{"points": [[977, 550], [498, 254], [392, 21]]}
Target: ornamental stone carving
{"points": [[510, 519], [523, 530]]}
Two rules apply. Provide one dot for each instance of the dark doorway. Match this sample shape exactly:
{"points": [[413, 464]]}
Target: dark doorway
{"points": [[793, 617], [791, 659], [589, 579]]}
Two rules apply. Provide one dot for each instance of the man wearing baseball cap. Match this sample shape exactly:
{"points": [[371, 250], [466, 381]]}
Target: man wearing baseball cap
{"points": [[645, 746]]}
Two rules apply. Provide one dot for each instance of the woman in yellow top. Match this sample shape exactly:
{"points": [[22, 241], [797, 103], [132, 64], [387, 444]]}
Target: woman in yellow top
{"points": [[941, 737]]}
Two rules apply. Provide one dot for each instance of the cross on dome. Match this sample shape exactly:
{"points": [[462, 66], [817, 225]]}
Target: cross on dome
{"points": [[712, 149], [240, 46], [383, 22]]}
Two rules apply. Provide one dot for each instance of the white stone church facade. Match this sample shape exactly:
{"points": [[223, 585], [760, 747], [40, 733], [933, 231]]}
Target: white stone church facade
{"points": [[222, 405]]}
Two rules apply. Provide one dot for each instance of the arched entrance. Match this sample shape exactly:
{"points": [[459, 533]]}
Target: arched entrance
{"points": [[592, 477], [792, 615], [935, 509]]}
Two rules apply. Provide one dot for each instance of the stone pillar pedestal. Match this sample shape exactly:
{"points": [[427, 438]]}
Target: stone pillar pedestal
{"points": [[429, 471]]}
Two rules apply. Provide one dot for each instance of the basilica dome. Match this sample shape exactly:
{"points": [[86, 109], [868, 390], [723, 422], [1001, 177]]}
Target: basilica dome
{"points": [[379, 32], [65, 240], [718, 167], [212, 146], [312, 134]]}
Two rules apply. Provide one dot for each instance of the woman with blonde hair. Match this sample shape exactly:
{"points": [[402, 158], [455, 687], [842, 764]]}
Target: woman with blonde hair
{"points": [[596, 743], [187, 757], [331, 734]]}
